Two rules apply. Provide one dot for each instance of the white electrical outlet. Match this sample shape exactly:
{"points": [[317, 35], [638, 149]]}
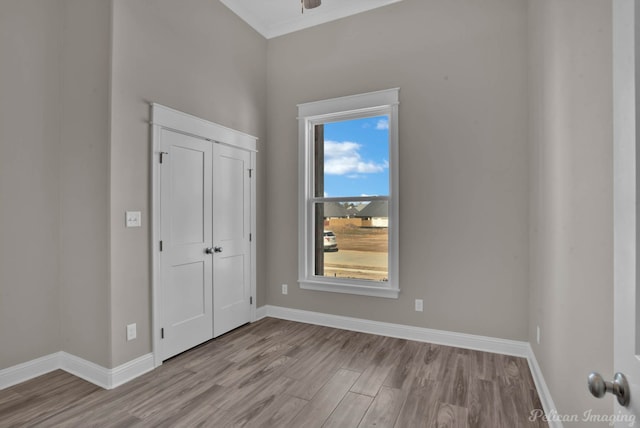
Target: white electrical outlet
{"points": [[419, 305], [538, 334], [133, 219], [131, 332], [285, 289]]}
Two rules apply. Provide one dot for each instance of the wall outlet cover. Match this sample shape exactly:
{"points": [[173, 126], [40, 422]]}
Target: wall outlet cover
{"points": [[131, 331], [133, 218]]}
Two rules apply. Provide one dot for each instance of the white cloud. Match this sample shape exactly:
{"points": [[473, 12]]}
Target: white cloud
{"points": [[383, 124], [344, 159]]}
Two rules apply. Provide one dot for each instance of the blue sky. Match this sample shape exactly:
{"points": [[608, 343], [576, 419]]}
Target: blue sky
{"points": [[356, 157]]}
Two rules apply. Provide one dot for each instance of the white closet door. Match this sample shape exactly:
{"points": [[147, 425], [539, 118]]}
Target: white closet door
{"points": [[231, 228], [186, 268]]}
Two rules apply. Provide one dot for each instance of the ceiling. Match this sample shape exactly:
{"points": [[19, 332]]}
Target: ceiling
{"points": [[273, 18]]}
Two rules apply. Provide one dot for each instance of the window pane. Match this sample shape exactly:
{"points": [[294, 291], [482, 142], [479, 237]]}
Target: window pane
{"points": [[352, 157], [355, 240]]}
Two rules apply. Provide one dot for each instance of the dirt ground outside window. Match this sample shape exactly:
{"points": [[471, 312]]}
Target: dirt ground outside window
{"points": [[362, 253]]}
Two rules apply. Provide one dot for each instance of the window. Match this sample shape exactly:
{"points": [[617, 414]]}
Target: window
{"points": [[348, 227]]}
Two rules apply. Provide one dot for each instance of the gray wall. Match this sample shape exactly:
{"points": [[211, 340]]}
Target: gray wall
{"points": [[30, 40], [571, 149], [54, 94], [197, 57], [461, 67], [84, 180]]}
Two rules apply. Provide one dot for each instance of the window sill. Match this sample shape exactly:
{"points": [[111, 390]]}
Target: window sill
{"points": [[362, 290]]}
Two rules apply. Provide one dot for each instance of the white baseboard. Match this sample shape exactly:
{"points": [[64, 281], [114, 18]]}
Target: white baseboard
{"points": [[261, 312], [25, 371], [91, 372], [131, 370], [543, 390], [84, 369], [420, 334]]}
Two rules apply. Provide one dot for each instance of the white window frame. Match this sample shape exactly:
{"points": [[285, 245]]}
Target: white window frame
{"points": [[345, 108]]}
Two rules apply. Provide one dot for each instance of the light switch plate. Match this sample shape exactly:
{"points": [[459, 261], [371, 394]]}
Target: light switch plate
{"points": [[133, 218]]}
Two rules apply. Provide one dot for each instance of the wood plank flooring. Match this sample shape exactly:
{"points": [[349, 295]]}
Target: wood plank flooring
{"points": [[277, 373]]}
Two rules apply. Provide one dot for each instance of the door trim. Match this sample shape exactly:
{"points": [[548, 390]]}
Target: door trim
{"points": [[165, 118], [626, 192]]}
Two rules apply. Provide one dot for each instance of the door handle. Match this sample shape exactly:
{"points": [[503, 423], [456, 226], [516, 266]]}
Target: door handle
{"points": [[208, 250], [619, 387], [217, 249], [211, 250]]}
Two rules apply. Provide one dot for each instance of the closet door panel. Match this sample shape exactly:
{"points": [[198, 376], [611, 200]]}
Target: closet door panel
{"points": [[231, 229]]}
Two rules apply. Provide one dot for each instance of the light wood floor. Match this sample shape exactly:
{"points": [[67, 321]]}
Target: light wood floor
{"points": [[277, 373]]}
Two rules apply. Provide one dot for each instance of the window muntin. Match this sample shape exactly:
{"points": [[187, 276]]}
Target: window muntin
{"points": [[349, 165]]}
